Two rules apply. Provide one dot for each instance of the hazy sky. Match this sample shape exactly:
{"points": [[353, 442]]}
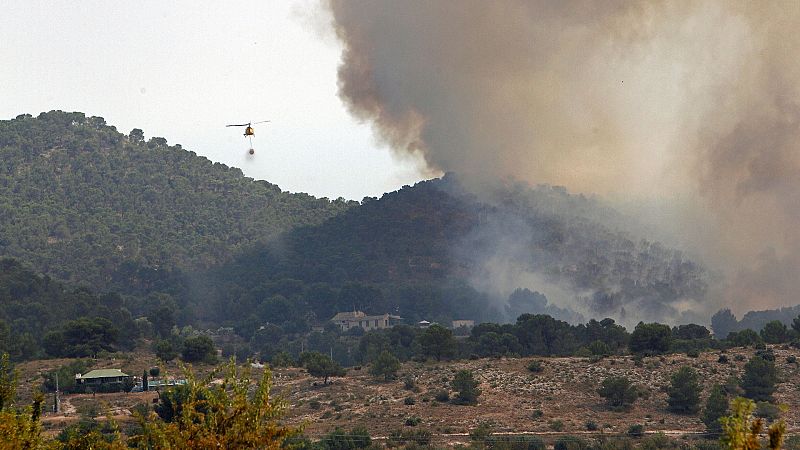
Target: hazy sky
{"points": [[184, 69]]}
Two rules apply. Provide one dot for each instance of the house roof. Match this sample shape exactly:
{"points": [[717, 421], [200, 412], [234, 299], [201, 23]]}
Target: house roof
{"points": [[103, 373], [349, 315]]}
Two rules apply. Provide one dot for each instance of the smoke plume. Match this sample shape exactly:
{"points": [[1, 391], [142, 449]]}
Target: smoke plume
{"points": [[693, 106]]}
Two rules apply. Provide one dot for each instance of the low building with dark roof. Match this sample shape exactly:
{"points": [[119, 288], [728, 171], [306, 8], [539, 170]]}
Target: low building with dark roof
{"points": [[103, 380]]}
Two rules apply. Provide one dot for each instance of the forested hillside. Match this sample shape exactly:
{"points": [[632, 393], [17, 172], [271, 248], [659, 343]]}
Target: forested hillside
{"points": [[83, 202], [40, 316], [432, 251], [197, 242]]}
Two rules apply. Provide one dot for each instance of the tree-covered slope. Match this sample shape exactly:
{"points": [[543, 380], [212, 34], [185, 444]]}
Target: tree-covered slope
{"points": [[83, 202], [413, 243], [35, 309]]}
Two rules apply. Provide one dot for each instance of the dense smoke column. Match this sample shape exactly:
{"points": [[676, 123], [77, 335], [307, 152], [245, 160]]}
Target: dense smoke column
{"points": [[695, 106]]}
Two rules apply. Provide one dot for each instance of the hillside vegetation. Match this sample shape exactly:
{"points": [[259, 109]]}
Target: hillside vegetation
{"points": [[184, 241], [82, 202]]}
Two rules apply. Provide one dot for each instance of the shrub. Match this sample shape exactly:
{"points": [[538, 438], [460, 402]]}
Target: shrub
{"points": [[618, 392], [591, 426], [791, 359], [339, 439], [442, 395], [792, 442], [768, 411], [569, 443], [414, 437], [412, 421], [517, 442], [659, 441], [408, 383], [693, 353], [636, 430], [599, 348], [766, 354], [556, 425], [535, 366], [722, 359], [408, 401], [481, 432], [537, 413]]}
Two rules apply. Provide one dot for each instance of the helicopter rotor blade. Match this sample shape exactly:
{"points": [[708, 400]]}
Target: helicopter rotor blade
{"points": [[263, 121], [239, 125]]}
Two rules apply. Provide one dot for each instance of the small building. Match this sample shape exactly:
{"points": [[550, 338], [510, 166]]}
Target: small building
{"points": [[463, 323], [348, 320], [103, 380], [424, 324]]}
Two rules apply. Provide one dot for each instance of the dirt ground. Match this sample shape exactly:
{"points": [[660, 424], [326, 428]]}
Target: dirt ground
{"points": [[513, 399]]}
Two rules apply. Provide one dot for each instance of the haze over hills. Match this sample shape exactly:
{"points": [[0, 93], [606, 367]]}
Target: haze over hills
{"points": [[83, 202]]}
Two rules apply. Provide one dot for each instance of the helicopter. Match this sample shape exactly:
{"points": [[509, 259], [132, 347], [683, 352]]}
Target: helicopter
{"points": [[249, 132]]}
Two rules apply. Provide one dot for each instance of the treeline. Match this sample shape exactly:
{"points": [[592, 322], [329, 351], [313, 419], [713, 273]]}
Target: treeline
{"points": [[530, 335]]}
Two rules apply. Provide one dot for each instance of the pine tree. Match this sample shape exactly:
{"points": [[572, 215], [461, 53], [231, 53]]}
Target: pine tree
{"points": [[759, 379], [716, 407], [467, 387], [618, 392], [385, 365], [684, 391]]}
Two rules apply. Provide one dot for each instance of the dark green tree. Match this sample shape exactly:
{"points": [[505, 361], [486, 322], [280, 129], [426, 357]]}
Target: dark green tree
{"points": [[385, 365], [650, 338], [165, 351], [171, 402], [759, 379], [145, 383], [690, 332], [775, 332], [199, 348], [716, 407], [136, 136], [438, 342], [467, 387], [684, 391], [599, 348], [619, 393], [321, 366], [743, 338]]}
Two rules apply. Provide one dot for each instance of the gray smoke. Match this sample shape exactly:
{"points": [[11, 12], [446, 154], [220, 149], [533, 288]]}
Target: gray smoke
{"points": [[692, 106]]}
